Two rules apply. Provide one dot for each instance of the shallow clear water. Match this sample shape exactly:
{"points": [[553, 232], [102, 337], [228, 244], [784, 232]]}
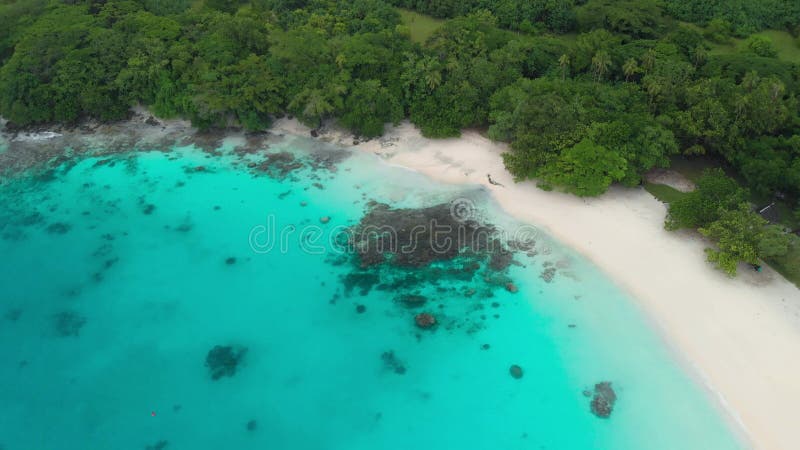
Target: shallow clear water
{"points": [[117, 280]]}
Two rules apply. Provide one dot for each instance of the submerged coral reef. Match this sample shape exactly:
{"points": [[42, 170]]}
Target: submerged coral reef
{"points": [[437, 257], [224, 360], [603, 400]]}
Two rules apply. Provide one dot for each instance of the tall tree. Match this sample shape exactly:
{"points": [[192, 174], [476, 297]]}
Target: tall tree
{"points": [[630, 68], [601, 63]]}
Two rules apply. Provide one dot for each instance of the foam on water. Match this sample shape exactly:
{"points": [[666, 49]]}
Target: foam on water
{"points": [[118, 276]]}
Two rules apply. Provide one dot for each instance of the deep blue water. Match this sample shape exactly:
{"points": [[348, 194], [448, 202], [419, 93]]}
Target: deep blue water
{"points": [[119, 275]]}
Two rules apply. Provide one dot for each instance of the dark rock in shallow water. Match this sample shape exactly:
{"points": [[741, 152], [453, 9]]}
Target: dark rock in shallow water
{"points": [[412, 301], [434, 250], [501, 257], [418, 237], [208, 141], [362, 280], [251, 425], [186, 226], [515, 371], [68, 323], [511, 287], [13, 315], [603, 400], [160, 445], [279, 165], [230, 261], [58, 228], [391, 362], [222, 361], [361, 309], [328, 158], [425, 320], [548, 274]]}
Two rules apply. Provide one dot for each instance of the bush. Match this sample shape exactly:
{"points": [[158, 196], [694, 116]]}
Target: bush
{"points": [[761, 46], [719, 31], [715, 194]]}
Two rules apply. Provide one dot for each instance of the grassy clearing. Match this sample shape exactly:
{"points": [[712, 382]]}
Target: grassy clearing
{"points": [[420, 26], [786, 45], [662, 192], [789, 265], [692, 168]]}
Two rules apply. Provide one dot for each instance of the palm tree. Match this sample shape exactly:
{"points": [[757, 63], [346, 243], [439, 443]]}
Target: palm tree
{"points": [[750, 81], [341, 60], [630, 68], [699, 57], [431, 76], [741, 103], [654, 88], [776, 89], [649, 60], [601, 62], [315, 104], [564, 62]]}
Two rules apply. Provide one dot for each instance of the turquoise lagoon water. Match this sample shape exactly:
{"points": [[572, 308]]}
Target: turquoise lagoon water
{"points": [[118, 276]]}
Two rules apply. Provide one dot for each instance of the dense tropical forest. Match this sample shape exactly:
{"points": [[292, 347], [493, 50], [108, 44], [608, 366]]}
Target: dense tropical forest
{"points": [[587, 92]]}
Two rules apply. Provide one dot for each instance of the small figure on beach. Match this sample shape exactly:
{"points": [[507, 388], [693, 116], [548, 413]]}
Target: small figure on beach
{"points": [[492, 182]]}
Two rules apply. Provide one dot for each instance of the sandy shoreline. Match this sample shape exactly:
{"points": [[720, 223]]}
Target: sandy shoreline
{"points": [[741, 336]]}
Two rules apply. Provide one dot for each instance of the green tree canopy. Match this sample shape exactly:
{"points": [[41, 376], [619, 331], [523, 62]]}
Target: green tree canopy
{"points": [[741, 235], [715, 194]]}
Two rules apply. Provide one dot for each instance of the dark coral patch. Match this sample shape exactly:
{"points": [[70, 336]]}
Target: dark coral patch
{"points": [[223, 361], [160, 445], [68, 323], [251, 425], [59, 228], [392, 362], [425, 320], [418, 237], [412, 300], [603, 401]]}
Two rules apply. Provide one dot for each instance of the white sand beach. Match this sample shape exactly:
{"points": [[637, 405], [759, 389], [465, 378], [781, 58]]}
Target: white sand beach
{"points": [[740, 336]]}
